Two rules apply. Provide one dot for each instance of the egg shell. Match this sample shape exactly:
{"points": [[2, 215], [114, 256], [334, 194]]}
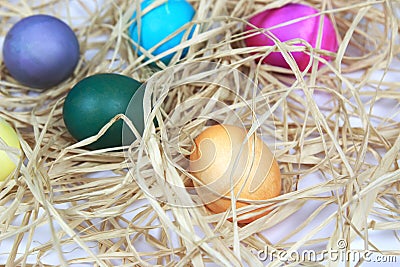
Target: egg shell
{"points": [[40, 51], [306, 29], [160, 22], [10, 138], [95, 100], [220, 160]]}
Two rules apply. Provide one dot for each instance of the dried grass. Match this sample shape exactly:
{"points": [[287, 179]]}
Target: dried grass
{"points": [[326, 126]]}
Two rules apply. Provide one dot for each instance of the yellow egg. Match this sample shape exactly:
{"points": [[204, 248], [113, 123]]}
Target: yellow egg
{"points": [[8, 137], [223, 159]]}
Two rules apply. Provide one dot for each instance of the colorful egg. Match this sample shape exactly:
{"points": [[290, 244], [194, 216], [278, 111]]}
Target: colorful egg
{"points": [[95, 100], [158, 23], [40, 51], [223, 159], [306, 29], [10, 138]]}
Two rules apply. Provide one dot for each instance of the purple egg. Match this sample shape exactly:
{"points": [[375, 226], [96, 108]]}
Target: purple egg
{"points": [[40, 51]]}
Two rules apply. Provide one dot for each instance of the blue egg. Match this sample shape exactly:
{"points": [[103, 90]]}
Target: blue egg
{"points": [[160, 22], [40, 51]]}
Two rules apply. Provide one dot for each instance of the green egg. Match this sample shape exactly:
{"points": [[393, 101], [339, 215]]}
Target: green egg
{"points": [[95, 100]]}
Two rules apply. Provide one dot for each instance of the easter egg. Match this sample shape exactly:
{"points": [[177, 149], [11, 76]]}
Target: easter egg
{"points": [[40, 51], [223, 159], [158, 23], [9, 138], [306, 29], [95, 100]]}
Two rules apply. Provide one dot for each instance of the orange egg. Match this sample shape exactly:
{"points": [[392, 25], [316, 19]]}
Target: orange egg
{"points": [[223, 159]]}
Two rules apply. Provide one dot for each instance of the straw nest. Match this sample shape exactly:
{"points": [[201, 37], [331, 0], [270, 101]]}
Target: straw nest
{"points": [[335, 135]]}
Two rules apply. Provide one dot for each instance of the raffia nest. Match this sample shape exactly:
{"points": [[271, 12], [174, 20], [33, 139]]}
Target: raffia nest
{"points": [[335, 132]]}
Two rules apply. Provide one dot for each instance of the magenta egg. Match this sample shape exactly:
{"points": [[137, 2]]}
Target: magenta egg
{"points": [[306, 29]]}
